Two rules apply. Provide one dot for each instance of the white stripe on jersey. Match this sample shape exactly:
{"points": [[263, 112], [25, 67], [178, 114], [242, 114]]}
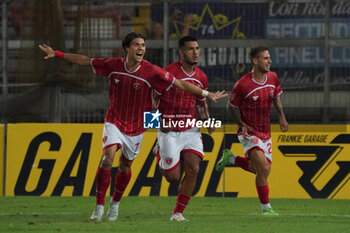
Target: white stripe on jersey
{"points": [[279, 94], [260, 83], [132, 76], [193, 79], [158, 93], [258, 88], [189, 75], [123, 108], [170, 85], [133, 70]]}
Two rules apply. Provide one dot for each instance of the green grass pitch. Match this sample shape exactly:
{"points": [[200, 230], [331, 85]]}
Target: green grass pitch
{"points": [[151, 214]]}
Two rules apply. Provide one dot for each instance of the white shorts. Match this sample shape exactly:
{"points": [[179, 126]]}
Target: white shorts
{"points": [[255, 142], [130, 145], [173, 144]]}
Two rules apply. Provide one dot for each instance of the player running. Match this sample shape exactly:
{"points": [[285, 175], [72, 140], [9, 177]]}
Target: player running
{"points": [[183, 142], [131, 82], [250, 105]]}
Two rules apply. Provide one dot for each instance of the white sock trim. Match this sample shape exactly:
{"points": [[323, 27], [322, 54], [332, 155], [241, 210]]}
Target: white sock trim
{"points": [[232, 159], [265, 206], [113, 202]]}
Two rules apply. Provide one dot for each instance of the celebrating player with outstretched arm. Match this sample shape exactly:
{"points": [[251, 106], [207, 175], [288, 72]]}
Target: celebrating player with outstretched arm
{"points": [[131, 82], [250, 105]]}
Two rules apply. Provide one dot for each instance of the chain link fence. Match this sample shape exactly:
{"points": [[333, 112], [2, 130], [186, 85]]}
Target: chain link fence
{"points": [[309, 43]]}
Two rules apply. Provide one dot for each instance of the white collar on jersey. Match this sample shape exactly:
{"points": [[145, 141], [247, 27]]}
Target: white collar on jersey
{"points": [[130, 72], [260, 83], [189, 75]]}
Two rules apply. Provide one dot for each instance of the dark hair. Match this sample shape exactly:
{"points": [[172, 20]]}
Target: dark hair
{"points": [[130, 37], [255, 51], [185, 39]]}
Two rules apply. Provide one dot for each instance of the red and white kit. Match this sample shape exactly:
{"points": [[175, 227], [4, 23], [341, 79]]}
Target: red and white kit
{"points": [[130, 94], [254, 100], [177, 105]]}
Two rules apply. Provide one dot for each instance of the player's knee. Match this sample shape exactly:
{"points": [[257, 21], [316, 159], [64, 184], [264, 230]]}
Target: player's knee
{"points": [[124, 170], [264, 169], [106, 162], [171, 178], [192, 170], [124, 166]]}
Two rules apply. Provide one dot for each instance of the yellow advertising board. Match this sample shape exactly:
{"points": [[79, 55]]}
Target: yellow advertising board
{"points": [[310, 161], [52, 159], [2, 138]]}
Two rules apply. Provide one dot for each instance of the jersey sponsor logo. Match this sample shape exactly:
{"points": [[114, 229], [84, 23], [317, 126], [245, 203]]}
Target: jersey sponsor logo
{"points": [[116, 81], [151, 120], [255, 97], [167, 75], [136, 86]]}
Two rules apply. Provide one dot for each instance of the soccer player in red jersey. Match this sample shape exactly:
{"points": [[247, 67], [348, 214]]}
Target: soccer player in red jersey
{"points": [[131, 83], [250, 105], [177, 139]]}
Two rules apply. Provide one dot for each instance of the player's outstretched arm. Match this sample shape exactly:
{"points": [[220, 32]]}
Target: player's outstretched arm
{"points": [[217, 95], [186, 86], [72, 58], [282, 118]]}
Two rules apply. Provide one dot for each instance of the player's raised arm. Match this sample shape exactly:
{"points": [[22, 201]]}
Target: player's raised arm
{"points": [[186, 86], [77, 59]]}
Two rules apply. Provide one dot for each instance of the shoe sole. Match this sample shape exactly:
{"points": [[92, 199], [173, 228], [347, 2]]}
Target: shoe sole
{"points": [[109, 219], [96, 219]]}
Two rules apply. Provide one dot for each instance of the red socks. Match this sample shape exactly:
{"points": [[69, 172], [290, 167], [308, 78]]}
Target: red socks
{"points": [[181, 203], [103, 179], [121, 181], [243, 162], [263, 193]]}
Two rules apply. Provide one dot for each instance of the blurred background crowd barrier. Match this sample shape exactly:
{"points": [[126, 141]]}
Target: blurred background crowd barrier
{"points": [[309, 43]]}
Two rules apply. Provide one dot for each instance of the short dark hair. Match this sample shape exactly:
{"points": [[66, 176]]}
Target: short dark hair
{"points": [[255, 51], [130, 37], [185, 39]]}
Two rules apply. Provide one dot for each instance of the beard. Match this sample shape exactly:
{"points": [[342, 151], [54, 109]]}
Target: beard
{"points": [[192, 63], [263, 69]]}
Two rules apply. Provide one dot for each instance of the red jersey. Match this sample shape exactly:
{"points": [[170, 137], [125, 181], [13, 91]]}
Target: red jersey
{"points": [[177, 105], [254, 100], [130, 91]]}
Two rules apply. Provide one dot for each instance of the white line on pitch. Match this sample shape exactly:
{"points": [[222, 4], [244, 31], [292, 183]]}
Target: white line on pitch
{"points": [[310, 215]]}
